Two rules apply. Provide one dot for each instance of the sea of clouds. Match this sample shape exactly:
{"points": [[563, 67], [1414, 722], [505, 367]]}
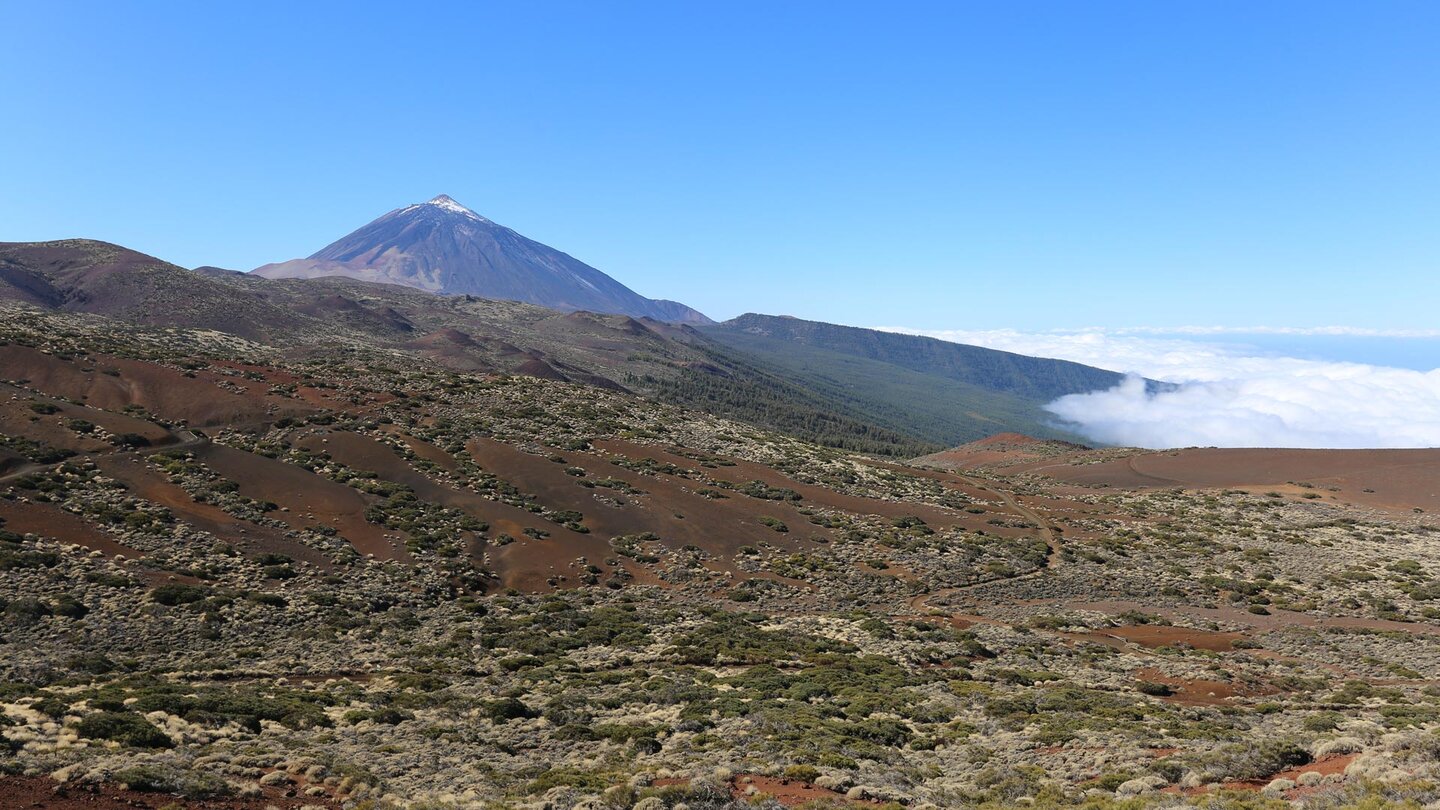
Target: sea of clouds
{"points": [[1229, 394]]}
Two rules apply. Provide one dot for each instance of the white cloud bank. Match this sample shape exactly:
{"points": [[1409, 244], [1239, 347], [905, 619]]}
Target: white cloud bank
{"points": [[1227, 396]]}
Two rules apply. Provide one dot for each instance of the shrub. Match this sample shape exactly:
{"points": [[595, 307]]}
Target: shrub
{"points": [[93, 663], [123, 727], [244, 706], [27, 609], [775, 524], [267, 599], [1324, 721], [803, 773], [177, 593], [130, 440], [70, 607], [1255, 760], [160, 779], [506, 709], [12, 560], [1154, 689]]}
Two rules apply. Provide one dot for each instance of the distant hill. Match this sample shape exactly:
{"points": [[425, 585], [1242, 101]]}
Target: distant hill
{"points": [[940, 392], [441, 246], [1022, 375], [86, 275], [843, 387], [327, 317]]}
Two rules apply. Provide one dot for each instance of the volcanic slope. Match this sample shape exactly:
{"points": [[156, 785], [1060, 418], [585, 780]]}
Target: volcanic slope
{"points": [[443, 247], [942, 392], [232, 575], [84, 275], [332, 316]]}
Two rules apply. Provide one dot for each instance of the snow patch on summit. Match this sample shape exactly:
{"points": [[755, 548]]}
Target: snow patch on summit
{"points": [[445, 202]]}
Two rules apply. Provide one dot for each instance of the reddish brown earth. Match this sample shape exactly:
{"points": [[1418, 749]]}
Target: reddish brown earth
{"points": [[1393, 480], [720, 526], [789, 792], [1202, 692], [150, 484], [744, 471], [1400, 479], [1000, 449], [1153, 635], [312, 500], [48, 520], [113, 382], [1324, 767], [526, 564], [18, 419]]}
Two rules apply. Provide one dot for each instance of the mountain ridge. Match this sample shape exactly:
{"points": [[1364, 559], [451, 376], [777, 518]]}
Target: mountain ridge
{"points": [[1009, 371], [842, 400]]}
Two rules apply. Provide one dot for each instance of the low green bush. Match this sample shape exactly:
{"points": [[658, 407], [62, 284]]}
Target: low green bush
{"points": [[123, 727]]}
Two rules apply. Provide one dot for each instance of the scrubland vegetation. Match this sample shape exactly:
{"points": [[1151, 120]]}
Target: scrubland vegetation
{"points": [[353, 579]]}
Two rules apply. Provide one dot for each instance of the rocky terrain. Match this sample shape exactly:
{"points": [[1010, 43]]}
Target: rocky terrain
{"points": [[236, 574]]}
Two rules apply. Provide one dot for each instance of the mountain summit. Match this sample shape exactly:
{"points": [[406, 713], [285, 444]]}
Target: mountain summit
{"points": [[443, 247]]}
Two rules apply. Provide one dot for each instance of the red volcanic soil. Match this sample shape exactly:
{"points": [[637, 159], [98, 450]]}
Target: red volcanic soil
{"points": [[720, 526], [44, 793], [1324, 767], [150, 484], [789, 792], [1399, 480], [526, 564], [312, 499], [1202, 692], [745, 471], [18, 419], [1154, 635], [535, 367], [1396, 480], [1002, 449], [47, 520], [114, 382]]}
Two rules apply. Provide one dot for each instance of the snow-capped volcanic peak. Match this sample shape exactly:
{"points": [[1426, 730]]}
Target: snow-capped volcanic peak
{"points": [[443, 247], [445, 203]]}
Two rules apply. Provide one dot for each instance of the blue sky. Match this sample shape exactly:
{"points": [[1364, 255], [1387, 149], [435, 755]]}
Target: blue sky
{"points": [[947, 166]]}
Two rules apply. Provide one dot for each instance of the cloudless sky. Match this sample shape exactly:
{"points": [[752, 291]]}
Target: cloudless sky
{"points": [[945, 165]]}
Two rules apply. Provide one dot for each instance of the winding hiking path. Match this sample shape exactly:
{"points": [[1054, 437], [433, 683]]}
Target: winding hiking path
{"points": [[185, 439], [1053, 557]]}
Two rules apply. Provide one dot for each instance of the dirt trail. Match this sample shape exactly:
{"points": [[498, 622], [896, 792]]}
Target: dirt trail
{"points": [[187, 440], [1053, 558]]}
